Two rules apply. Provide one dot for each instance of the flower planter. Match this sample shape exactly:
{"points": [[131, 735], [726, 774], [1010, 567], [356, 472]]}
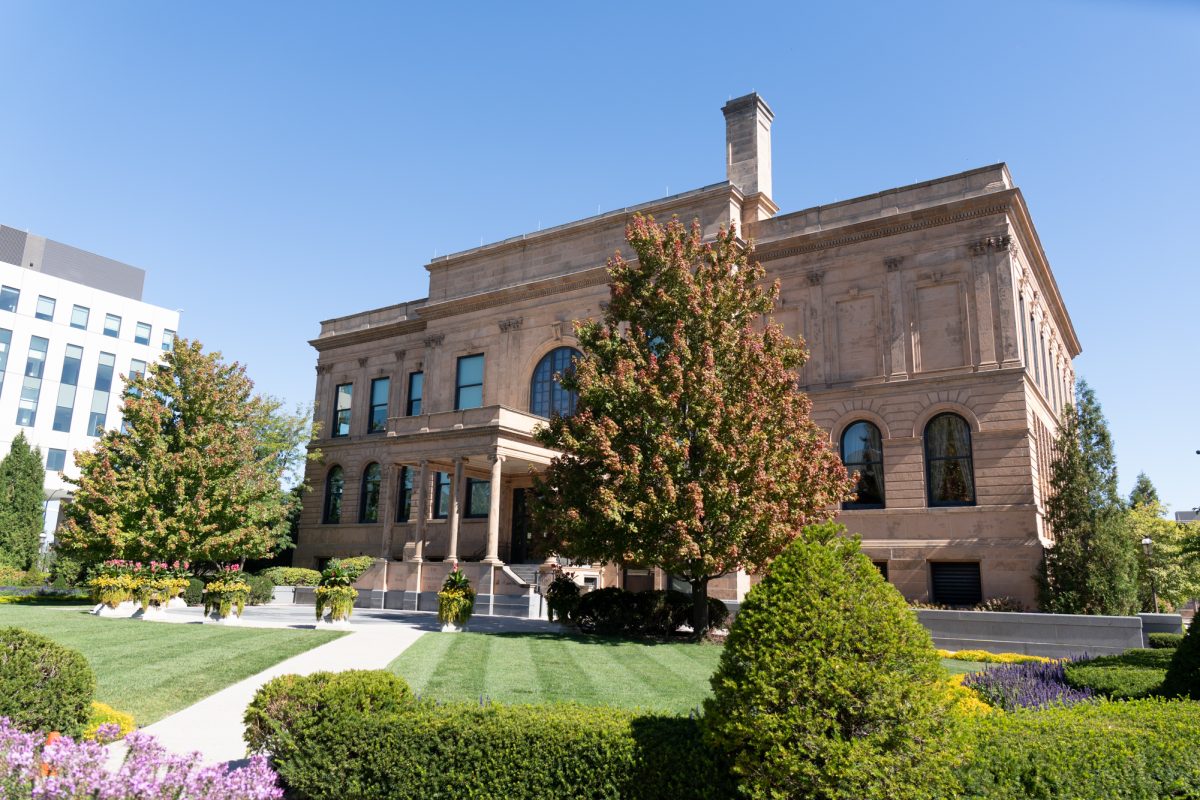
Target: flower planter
{"points": [[450, 627], [176, 602], [152, 613], [328, 621], [124, 609], [215, 618], [456, 602]]}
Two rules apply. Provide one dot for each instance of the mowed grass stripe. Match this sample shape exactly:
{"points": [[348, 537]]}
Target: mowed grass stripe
{"points": [[512, 673]]}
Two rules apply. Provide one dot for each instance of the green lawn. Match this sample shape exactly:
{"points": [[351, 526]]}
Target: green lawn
{"points": [[152, 669], [957, 667]]}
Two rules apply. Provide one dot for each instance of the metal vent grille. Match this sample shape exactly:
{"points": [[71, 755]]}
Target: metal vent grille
{"points": [[12, 245], [956, 583]]}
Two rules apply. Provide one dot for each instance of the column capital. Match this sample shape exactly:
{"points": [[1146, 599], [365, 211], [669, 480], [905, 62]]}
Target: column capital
{"points": [[494, 457]]}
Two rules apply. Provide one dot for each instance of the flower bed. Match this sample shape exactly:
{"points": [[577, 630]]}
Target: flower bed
{"points": [[151, 585], [226, 594], [1014, 686]]}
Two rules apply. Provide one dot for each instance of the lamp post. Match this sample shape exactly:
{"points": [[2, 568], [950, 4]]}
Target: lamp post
{"points": [[1148, 549]]}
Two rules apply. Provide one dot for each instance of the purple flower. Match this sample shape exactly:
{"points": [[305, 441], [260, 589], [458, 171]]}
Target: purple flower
{"points": [[1014, 686]]}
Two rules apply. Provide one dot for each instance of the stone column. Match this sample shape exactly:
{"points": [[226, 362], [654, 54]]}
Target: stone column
{"points": [[897, 334], [389, 492], [455, 508], [493, 525], [422, 510], [982, 297]]}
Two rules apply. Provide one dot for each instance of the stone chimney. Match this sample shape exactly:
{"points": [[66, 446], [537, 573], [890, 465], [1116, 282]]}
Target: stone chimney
{"points": [[748, 153]]}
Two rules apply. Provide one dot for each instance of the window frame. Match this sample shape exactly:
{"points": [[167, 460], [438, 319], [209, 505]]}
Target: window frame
{"points": [[438, 511], [168, 340], [52, 452], [545, 375], [112, 334], [37, 310], [459, 386], [87, 317], [373, 406], [411, 410], [331, 515], [969, 458], [855, 505], [338, 411], [404, 491], [371, 493], [5, 293], [472, 483], [137, 339]]}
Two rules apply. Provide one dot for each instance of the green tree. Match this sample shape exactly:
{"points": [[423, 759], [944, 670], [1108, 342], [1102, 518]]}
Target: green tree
{"points": [[22, 504], [1093, 566], [195, 474], [1172, 573], [691, 448], [1143, 492]]}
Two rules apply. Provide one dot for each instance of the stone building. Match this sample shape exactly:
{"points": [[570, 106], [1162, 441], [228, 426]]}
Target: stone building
{"points": [[941, 357]]}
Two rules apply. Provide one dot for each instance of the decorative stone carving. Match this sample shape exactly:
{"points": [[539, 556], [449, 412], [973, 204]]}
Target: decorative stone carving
{"points": [[511, 324], [400, 354], [435, 340], [362, 362], [815, 278], [998, 243], [893, 263]]}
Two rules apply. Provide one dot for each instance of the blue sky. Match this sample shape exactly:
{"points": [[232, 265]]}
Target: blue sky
{"points": [[274, 164]]}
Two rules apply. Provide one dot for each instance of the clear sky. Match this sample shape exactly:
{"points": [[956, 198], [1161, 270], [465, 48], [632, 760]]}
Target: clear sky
{"points": [[274, 164]]}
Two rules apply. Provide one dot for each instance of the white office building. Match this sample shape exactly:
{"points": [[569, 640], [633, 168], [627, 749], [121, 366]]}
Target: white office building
{"points": [[72, 328]]}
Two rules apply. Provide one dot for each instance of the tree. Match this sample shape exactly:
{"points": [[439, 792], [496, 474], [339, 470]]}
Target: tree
{"points": [[1169, 572], [22, 504], [1092, 567], [195, 473], [691, 448], [1143, 492]]}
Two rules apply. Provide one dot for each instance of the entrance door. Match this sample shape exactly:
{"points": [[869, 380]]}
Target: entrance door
{"points": [[521, 528]]}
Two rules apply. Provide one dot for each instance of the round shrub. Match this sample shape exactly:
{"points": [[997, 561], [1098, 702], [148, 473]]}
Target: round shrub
{"points": [[562, 595], [828, 686], [193, 595], [609, 612], [262, 589], [43, 685], [292, 576], [1127, 676], [355, 566], [1183, 675], [718, 613], [659, 613]]}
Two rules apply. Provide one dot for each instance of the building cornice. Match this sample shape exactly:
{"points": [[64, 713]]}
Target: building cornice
{"points": [[583, 279], [368, 334]]}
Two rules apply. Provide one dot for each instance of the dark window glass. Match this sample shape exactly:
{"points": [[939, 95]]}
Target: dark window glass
{"points": [[168, 340], [98, 416], [404, 507], [67, 388], [949, 471], [141, 334], [862, 453], [547, 397], [882, 567], [441, 495], [334, 485], [468, 388], [56, 460], [379, 405], [45, 308], [343, 397], [79, 317], [1024, 335], [71, 363], [416, 391], [479, 498], [8, 298], [112, 325], [955, 583], [368, 507]]}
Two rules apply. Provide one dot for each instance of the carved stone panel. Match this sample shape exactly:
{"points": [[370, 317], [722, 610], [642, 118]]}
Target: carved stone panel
{"points": [[857, 337], [940, 341]]}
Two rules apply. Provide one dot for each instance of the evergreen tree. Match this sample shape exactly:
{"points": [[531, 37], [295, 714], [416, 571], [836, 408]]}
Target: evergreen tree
{"points": [[194, 475], [22, 504], [1144, 493], [691, 448], [1093, 566]]}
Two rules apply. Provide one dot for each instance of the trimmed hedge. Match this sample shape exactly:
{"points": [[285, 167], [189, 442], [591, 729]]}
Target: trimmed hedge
{"points": [[1165, 641], [262, 589], [43, 685], [1136, 750], [1183, 674], [1133, 674], [193, 595], [355, 565], [652, 612], [292, 576]]}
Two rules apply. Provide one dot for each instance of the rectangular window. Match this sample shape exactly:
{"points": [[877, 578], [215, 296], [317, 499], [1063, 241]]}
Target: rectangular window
{"points": [[956, 583], [67, 388], [137, 368], [441, 495], [99, 410], [79, 317], [56, 460], [141, 334], [468, 386], [112, 326], [8, 298], [379, 405], [31, 386], [5, 343], [341, 409], [404, 508], [168, 341], [45, 308], [479, 498], [416, 390]]}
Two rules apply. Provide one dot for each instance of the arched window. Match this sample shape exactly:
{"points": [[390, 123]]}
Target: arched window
{"points": [[949, 471], [368, 505], [547, 397], [334, 484], [862, 452]]}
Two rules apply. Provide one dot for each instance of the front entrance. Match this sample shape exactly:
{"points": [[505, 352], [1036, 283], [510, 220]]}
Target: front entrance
{"points": [[518, 551]]}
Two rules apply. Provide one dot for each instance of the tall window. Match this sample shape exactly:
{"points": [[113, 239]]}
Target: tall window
{"points": [[416, 391], [343, 396], [949, 471], [45, 308], [335, 484], [368, 506], [79, 317], [137, 369], [112, 326], [5, 343], [379, 405], [1037, 370], [404, 507], [31, 386], [479, 498], [99, 412], [441, 495], [1045, 366], [547, 397], [1024, 335], [8, 298], [468, 387], [141, 334], [168, 341], [862, 452], [68, 386]]}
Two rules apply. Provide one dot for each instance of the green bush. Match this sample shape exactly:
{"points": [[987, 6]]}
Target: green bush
{"points": [[609, 612], [43, 685], [660, 613], [356, 566], [1143, 749], [262, 589], [1183, 675], [65, 571], [718, 613], [828, 686], [1130, 675], [459, 750], [562, 596], [193, 595], [292, 576], [1165, 641], [11, 576]]}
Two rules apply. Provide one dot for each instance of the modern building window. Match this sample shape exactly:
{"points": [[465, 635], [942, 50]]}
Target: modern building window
{"points": [[5, 344], [141, 334], [56, 460], [949, 468], [955, 583], [368, 505], [547, 397], [468, 385], [862, 453], [335, 484], [441, 495], [137, 369], [68, 386], [8, 298], [112, 326], [168, 341], [98, 416], [404, 507], [343, 397], [379, 405], [45, 308], [31, 386], [416, 391], [79, 317], [479, 498]]}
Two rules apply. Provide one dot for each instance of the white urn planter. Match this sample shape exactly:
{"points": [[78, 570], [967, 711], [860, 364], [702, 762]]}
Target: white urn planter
{"points": [[329, 622], [177, 602], [152, 613], [215, 618], [450, 627], [124, 610]]}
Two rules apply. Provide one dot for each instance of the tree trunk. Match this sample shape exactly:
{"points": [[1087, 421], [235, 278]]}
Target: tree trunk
{"points": [[699, 607]]}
